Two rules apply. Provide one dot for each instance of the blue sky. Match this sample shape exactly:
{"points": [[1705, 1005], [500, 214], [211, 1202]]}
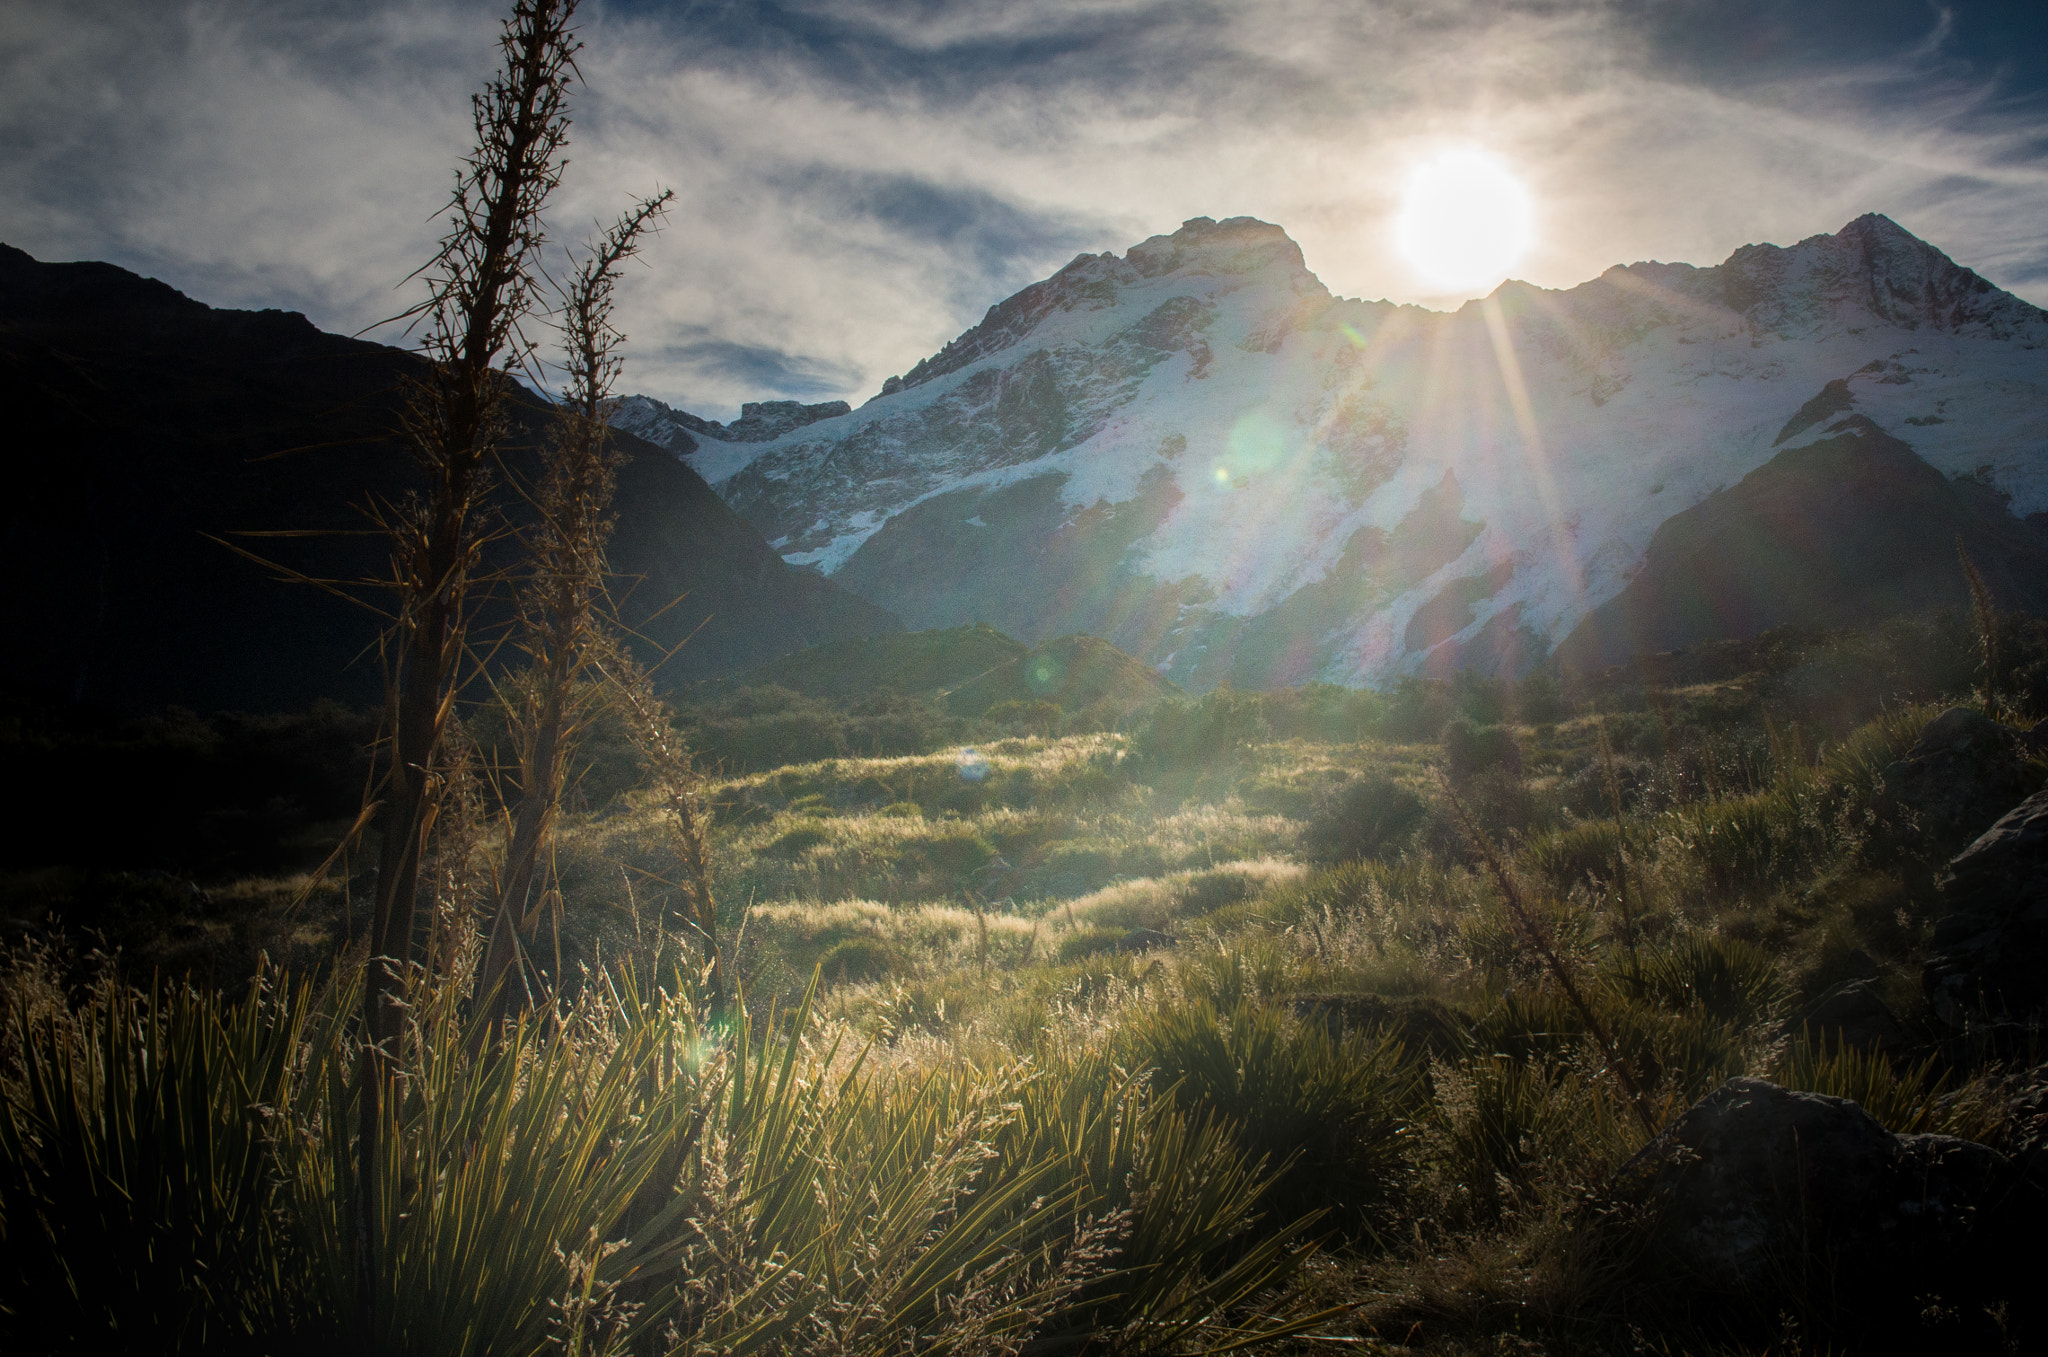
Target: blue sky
{"points": [[857, 182]]}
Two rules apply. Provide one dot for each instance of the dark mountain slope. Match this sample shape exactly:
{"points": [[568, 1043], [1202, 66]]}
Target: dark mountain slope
{"points": [[1842, 532], [142, 422]]}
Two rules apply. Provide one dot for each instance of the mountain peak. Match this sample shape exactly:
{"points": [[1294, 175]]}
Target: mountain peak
{"points": [[1205, 245], [1871, 269], [1201, 248]]}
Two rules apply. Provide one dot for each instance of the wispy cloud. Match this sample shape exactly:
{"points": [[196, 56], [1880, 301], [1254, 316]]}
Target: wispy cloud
{"points": [[858, 181]]}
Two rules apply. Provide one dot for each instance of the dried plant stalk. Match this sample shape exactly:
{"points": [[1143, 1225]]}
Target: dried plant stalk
{"points": [[1538, 938], [1984, 614], [548, 706], [681, 791], [1613, 778], [480, 289]]}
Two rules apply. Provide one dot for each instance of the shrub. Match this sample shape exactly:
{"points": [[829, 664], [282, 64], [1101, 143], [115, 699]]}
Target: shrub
{"points": [[1539, 700], [1728, 979], [1328, 1114], [856, 959], [1216, 727], [1566, 857], [799, 839], [1090, 940], [1371, 817], [1913, 1100], [1418, 709], [1471, 749]]}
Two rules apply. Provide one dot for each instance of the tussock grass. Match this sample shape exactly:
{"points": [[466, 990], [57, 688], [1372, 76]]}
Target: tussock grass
{"points": [[1097, 1047]]}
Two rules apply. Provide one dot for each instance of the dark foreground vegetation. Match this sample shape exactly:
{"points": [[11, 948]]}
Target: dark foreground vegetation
{"points": [[929, 994], [1380, 1017]]}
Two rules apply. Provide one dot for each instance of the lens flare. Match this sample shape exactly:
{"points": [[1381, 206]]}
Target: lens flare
{"points": [[1465, 221]]}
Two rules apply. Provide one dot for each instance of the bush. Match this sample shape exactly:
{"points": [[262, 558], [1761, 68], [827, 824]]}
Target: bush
{"points": [[1728, 979], [1330, 1112], [1418, 709], [1090, 940], [1470, 749], [1539, 700], [857, 959], [1216, 727], [1371, 817], [799, 839], [1566, 857]]}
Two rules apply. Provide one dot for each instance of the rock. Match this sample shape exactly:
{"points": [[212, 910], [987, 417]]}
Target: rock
{"points": [[1853, 1014], [1989, 954], [1963, 771], [1760, 1201]]}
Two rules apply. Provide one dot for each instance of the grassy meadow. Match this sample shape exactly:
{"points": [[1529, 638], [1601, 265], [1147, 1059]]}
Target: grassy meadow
{"points": [[1195, 1026]]}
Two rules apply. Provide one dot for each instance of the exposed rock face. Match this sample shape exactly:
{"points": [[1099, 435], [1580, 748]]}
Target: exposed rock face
{"points": [[1767, 1198], [1854, 1014], [1197, 452], [679, 430], [1990, 950], [1963, 772]]}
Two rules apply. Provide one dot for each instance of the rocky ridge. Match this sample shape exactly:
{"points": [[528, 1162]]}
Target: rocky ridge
{"points": [[1197, 452]]}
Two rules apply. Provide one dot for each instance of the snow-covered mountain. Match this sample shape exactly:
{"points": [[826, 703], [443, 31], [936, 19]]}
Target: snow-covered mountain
{"points": [[1198, 452]]}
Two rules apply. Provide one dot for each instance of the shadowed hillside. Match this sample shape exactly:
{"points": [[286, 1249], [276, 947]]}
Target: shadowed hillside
{"points": [[1842, 532], [145, 422]]}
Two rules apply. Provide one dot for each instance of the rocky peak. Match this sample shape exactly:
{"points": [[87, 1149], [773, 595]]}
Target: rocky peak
{"points": [[678, 430], [1205, 246], [1202, 247], [760, 421], [1871, 270]]}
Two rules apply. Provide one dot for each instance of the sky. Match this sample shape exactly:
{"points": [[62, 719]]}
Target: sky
{"points": [[857, 181]]}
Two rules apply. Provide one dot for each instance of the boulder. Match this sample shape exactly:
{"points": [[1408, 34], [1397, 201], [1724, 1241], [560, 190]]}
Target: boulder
{"points": [[1989, 954], [1854, 1014], [1961, 774], [1760, 1201]]}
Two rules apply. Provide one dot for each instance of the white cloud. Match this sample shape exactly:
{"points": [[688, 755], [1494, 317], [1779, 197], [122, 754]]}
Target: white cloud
{"points": [[857, 182]]}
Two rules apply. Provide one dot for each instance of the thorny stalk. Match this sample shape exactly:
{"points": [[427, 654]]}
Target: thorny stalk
{"points": [[1613, 777], [680, 788], [558, 607], [1984, 613], [1538, 938], [480, 289]]}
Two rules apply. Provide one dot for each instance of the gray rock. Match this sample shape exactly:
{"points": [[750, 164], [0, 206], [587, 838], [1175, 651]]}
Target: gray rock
{"points": [[1767, 1199], [1989, 955], [1962, 773], [1854, 1014]]}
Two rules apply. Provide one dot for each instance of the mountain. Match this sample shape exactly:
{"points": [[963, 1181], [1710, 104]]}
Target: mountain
{"points": [[1844, 531], [1198, 453], [759, 422], [147, 424]]}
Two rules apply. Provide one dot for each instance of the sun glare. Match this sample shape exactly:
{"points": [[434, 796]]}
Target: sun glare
{"points": [[1465, 221]]}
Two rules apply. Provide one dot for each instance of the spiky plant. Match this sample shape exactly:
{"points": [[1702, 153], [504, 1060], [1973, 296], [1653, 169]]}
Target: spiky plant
{"points": [[560, 625]]}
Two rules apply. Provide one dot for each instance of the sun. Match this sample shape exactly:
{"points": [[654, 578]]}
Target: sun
{"points": [[1464, 222]]}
